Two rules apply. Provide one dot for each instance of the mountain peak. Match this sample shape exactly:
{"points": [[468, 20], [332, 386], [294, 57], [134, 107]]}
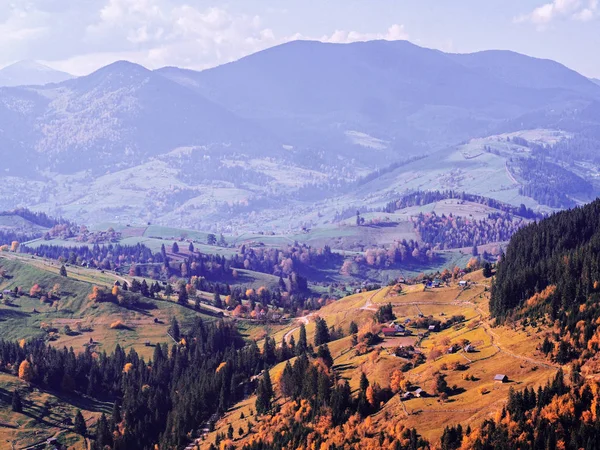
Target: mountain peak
{"points": [[29, 72]]}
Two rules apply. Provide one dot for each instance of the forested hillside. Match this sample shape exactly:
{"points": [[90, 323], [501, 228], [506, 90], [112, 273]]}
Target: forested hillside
{"points": [[551, 272]]}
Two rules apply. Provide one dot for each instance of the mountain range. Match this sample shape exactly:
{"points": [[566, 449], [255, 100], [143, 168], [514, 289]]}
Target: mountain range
{"points": [[31, 73], [265, 135]]}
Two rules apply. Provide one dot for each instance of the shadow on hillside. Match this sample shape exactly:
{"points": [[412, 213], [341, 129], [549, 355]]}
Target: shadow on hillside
{"points": [[6, 314]]}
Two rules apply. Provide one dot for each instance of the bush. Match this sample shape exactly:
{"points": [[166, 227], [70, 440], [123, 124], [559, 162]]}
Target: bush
{"points": [[118, 325]]}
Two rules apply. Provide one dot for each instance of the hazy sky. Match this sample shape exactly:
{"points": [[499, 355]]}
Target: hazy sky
{"points": [[79, 36]]}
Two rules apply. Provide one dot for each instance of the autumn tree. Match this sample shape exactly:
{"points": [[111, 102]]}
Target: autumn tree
{"points": [[25, 371]]}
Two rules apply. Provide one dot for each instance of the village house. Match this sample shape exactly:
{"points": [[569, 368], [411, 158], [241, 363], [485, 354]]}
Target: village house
{"points": [[469, 348], [434, 328], [389, 331], [500, 378]]}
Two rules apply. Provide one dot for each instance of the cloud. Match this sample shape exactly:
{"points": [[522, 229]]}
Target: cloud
{"points": [[394, 33], [84, 35], [542, 16]]}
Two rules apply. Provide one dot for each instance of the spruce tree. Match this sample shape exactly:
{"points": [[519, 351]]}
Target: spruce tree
{"points": [[79, 424], [17, 405], [302, 341], [175, 247], [174, 329], [182, 296], [63, 271], [321, 332]]}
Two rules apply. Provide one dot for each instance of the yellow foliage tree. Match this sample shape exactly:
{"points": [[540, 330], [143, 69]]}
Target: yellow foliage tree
{"points": [[25, 371], [115, 291], [127, 367], [396, 380], [14, 246]]}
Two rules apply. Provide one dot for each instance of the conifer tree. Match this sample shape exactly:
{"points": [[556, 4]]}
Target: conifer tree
{"points": [[321, 332], [79, 424], [302, 341], [17, 405]]}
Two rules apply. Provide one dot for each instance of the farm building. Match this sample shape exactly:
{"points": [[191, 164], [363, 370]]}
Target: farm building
{"points": [[435, 328], [418, 392], [407, 396], [397, 327], [462, 283], [501, 378], [389, 331], [469, 348]]}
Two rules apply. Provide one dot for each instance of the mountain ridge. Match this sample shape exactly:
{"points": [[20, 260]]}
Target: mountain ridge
{"points": [[31, 73]]}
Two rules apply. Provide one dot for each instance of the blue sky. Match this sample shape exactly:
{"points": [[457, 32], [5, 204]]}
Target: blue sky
{"points": [[82, 35]]}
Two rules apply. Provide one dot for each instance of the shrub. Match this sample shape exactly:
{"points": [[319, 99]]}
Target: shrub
{"points": [[118, 325]]}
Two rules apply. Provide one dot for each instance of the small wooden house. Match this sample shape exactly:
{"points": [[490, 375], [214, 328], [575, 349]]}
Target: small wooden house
{"points": [[434, 328], [469, 348], [500, 378]]}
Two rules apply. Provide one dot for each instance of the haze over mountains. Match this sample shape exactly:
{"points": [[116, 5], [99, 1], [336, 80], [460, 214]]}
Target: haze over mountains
{"points": [[264, 136], [31, 73]]}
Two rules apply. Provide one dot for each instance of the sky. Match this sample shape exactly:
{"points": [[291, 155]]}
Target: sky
{"points": [[80, 36]]}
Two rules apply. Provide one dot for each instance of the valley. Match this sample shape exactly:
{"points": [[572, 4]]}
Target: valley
{"points": [[334, 244]]}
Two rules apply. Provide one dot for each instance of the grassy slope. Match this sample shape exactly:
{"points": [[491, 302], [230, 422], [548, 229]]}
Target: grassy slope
{"points": [[17, 322], [499, 350], [43, 416]]}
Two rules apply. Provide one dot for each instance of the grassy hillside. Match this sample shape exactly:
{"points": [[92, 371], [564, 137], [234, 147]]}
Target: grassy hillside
{"points": [[45, 415], [23, 318], [474, 393]]}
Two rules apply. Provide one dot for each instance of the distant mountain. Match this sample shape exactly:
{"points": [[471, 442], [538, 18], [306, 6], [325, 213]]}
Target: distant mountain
{"points": [[405, 96], [117, 116], [527, 72], [31, 73], [263, 139]]}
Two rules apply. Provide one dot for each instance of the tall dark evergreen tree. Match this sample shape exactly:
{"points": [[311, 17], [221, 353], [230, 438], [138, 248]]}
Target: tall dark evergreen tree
{"points": [[321, 332], [302, 345], [16, 404], [79, 424]]}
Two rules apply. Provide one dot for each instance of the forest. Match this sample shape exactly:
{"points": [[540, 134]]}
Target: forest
{"points": [[551, 273], [548, 183], [420, 198], [445, 232]]}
